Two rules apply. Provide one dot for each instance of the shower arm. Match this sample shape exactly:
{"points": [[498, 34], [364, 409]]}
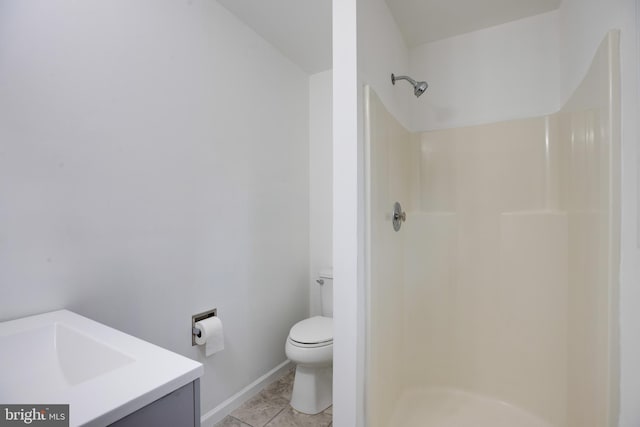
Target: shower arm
{"points": [[394, 78]]}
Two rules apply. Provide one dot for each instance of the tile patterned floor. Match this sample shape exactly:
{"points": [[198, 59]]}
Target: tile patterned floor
{"points": [[270, 408]]}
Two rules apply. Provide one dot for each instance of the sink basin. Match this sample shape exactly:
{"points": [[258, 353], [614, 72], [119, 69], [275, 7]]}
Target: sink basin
{"points": [[102, 373], [57, 357]]}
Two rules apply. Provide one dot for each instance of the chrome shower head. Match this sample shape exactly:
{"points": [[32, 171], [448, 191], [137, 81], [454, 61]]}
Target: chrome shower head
{"points": [[418, 87]]}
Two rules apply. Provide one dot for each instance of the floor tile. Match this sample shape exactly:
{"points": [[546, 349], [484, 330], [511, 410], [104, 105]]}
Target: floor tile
{"points": [[292, 418], [282, 388], [259, 410], [229, 421], [271, 408]]}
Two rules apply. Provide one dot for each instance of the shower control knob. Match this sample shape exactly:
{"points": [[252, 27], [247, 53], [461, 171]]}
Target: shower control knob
{"points": [[399, 216]]}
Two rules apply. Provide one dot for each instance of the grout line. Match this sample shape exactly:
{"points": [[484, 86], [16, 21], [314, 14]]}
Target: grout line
{"points": [[239, 420], [272, 418]]}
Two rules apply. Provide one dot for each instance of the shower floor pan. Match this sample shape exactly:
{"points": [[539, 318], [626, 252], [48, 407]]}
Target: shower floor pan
{"points": [[434, 407]]}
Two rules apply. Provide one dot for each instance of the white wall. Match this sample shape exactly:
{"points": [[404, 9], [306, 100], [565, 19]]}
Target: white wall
{"points": [[320, 182], [347, 282], [154, 164], [382, 51], [504, 72]]}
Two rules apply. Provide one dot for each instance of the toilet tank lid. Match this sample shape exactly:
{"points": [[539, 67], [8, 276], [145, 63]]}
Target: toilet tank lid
{"points": [[314, 330], [326, 273]]}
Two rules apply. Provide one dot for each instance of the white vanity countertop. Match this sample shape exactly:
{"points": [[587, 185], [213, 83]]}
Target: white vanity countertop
{"points": [[103, 374]]}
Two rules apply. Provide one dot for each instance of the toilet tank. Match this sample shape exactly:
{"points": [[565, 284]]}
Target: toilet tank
{"points": [[326, 291]]}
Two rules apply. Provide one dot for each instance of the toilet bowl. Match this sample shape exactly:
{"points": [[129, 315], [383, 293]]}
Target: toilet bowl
{"points": [[310, 346]]}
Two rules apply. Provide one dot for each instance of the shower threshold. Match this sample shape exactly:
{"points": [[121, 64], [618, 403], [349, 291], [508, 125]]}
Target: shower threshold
{"points": [[442, 407]]}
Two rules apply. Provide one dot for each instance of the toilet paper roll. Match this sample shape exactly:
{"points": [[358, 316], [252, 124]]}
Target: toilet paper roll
{"points": [[212, 335]]}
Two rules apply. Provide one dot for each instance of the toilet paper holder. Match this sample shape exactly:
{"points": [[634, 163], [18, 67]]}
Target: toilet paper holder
{"points": [[195, 332]]}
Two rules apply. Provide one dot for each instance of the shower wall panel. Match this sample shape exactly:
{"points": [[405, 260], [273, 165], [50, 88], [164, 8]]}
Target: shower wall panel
{"points": [[589, 192], [496, 326], [390, 160]]}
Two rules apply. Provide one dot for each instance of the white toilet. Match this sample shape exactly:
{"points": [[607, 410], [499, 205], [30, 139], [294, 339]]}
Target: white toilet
{"points": [[310, 347]]}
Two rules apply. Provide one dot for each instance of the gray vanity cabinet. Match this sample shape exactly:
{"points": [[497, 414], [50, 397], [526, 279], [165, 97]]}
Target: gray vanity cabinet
{"points": [[180, 408]]}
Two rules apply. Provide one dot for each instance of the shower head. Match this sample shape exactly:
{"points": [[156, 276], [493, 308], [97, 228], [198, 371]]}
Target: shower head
{"points": [[418, 87]]}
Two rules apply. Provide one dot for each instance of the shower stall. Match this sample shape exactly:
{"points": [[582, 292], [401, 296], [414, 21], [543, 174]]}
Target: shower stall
{"points": [[494, 303]]}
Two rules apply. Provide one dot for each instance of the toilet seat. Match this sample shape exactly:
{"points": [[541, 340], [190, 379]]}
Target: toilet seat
{"points": [[316, 331], [318, 345]]}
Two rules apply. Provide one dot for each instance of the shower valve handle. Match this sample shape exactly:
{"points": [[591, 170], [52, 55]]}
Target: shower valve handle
{"points": [[399, 216]]}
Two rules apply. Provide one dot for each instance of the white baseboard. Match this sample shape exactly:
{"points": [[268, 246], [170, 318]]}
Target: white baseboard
{"points": [[218, 413]]}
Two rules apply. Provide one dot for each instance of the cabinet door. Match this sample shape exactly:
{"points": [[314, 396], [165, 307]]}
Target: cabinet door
{"points": [[176, 409]]}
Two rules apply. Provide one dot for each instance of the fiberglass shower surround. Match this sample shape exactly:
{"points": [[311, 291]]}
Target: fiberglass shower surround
{"points": [[496, 297]]}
